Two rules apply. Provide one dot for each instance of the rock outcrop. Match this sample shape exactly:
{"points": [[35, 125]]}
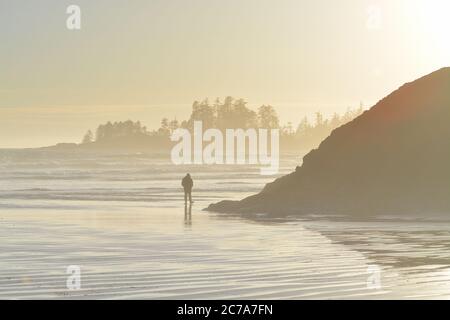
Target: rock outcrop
{"points": [[393, 159]]}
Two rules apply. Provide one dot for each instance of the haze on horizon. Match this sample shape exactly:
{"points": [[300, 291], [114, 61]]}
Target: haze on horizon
{"points": [[144, 60]]}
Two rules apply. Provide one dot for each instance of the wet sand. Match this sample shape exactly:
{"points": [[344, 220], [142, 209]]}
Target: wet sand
{"points": [[154, 253]]}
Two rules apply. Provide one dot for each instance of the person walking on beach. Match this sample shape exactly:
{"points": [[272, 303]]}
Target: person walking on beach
{"points": [[187, 184]]}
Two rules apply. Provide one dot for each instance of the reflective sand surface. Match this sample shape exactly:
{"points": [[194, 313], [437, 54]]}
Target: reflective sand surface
{"points": [[158, 253]]}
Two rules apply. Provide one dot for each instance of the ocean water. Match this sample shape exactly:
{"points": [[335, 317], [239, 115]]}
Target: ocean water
{"points": [[36, 179], [120, 218]]}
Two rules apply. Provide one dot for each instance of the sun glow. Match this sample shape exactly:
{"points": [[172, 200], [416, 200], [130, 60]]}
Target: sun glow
{"points": [[431, 19]]}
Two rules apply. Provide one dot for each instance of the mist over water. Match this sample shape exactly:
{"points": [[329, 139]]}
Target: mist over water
{"points": [[33, 177]]}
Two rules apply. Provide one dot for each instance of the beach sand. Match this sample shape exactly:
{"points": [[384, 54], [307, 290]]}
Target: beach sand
{"points": [[157, 253]]}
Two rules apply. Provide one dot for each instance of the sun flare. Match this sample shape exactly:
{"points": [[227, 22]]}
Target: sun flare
{"points": [[431, 18]]}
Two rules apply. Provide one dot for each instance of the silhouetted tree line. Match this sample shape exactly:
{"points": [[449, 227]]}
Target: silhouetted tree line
{"points": [[115, 130], [229, 114], [310, 134]]}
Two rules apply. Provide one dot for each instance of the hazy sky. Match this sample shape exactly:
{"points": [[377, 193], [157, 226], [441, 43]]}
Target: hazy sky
{"points": [[146, 59]]}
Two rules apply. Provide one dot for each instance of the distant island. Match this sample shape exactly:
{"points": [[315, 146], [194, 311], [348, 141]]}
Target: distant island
{"points": [[227, 114], [393, 159]]}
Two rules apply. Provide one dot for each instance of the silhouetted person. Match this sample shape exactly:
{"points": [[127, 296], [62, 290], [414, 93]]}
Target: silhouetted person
{"points": [[187, 184]]}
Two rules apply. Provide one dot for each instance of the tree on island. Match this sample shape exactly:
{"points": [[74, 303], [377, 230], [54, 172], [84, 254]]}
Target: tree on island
{"points": [[230, 114], [88, 137], [268, 118], [110, 131]]}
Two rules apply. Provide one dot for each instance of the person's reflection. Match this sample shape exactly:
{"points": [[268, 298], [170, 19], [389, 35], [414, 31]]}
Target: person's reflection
{"points": [[188, 215]]}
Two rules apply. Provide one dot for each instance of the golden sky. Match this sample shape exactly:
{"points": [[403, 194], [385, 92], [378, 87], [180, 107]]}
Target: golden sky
{"points": [[145, 60]]}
